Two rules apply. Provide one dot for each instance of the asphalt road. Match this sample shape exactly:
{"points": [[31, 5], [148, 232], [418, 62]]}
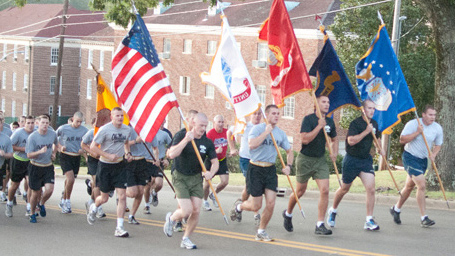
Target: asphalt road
{"points": [[70, 234]]}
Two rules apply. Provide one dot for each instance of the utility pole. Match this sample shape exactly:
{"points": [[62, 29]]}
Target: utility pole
{"points": [[59, 66]]}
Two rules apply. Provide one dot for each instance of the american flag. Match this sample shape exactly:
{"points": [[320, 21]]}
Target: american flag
{"points": [[140, 82]]}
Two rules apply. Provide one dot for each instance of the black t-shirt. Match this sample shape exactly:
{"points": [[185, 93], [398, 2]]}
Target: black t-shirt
{"points": [[316, 148], [187, 162], [363, 147]]}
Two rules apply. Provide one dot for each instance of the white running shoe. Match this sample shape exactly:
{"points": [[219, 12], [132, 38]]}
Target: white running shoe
{"points": [[206, 206], [120, 232], [168, 225], [215, 203], [9, 210], [187, 244]]}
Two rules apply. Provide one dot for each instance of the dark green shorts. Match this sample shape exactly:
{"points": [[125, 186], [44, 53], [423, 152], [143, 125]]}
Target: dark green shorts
{"points": [[187, 186], [311, 167]]}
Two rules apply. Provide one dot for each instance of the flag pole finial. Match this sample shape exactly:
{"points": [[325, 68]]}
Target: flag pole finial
{"points": [[380, 18], [134, 7]]}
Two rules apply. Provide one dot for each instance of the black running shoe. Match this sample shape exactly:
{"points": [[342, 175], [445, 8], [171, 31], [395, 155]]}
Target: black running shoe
{"points": [[322, 230], [396, 215], [426, 222], [287, 222], [89, 188]]}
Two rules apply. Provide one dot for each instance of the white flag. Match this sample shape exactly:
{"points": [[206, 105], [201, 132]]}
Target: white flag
{"points": [[229, 74]]}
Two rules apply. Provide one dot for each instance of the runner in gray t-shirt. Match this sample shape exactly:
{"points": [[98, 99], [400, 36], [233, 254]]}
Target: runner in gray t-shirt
{"points": [[261, 177], [41, 148], [19, 163], [70, 137], [111, 144], [4, 168]]}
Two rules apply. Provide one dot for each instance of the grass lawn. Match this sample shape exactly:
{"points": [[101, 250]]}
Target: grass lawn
{"points": [[384, 183]]}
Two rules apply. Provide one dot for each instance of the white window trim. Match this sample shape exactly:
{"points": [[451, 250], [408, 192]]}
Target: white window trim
{"points": [[101, 60], [90, 59], [14, 81], [89, 89], [185, 50], [212, 89], [53, 49], [188, 80]]}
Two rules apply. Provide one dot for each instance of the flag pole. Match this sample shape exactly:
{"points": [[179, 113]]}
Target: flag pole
{"points": [[203, 166], [329, 142], [432, 162], [282, 164], [378, 146], [161, 170]]}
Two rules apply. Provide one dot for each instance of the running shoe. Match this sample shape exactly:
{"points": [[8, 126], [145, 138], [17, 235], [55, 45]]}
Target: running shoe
{"points": [[127, 209], [396, 215], [42, 211], [9, 210], [33, 218], [147, 210], [132, 220], [111, 193], [371, 225], [64, 209], [3, 197], [91, 216], [167, 228], [287, 222], [257, 219], [87, 208], [427, 222], [154, 198], [68, 207], [215, 203], [331, 215], [120, 232], [322, 230], [100, 213], [187, 244], [263, 236], [24, 196], [28, 212], [89, 187], [178, 227], [234, 214], [206, 206]]}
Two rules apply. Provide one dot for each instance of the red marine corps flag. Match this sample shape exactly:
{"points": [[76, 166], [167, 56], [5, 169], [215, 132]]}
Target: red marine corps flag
{"points": [[287, 68]]}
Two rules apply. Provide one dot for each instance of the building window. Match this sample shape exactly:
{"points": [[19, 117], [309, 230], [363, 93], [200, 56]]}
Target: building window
{"points": [[54, 56], [289, 108], [4, 80], [13, 108], [52, 87], [14, 81], [80, 56], [3, 104], [15, 52], [26, 53], [211, 47], [89, 89], [209, 91], [263, 51], [187, 46], [101, 60], [90, 59], [5, 48], [184, 85], [260, 89], [24, 109], [167, 45], [51, 110], [25, 88]]}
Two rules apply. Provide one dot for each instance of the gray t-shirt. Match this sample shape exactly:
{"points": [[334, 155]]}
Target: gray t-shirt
{"points": [[244, 150], [150, 145], [162, 139], [6, 130], [267, 152], [417, 147], [137, 149], [112, 139], [5, 145], [36, 141], [71, 137], [19, 139], [88, 137]]}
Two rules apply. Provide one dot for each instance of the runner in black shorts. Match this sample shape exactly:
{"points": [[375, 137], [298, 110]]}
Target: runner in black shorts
{"points": [[41, 148], [261, 176], [5, 168], [20, 161], [111, 144], [358, 162], [70, 138]]}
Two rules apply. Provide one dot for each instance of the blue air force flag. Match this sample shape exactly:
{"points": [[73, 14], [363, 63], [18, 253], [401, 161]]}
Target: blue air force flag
{"points": [[380, 79], [332, 79]]}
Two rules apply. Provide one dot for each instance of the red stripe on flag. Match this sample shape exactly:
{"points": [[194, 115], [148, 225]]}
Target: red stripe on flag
{"points": [[124, 51], [148, 109], [134, 81], [159, 120], [126, 69]]}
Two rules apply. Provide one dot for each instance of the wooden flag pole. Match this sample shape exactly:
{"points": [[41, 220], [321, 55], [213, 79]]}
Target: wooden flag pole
{"points": [[161, 170], [203, 167], [282, 164], [327, 139], [378, 146], [433, 163]]}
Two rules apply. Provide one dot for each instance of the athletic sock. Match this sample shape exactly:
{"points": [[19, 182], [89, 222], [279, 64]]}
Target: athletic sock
{"points": [[423, 217], [261, 231], [119, 222], [90, 201], [396, 208], [333, 210], [10, 203], [93, 208], [369, 218], [130, 216], [319, 223], [238, 208], [153, 193], [28, 206], [147, 204], [288, 214]]}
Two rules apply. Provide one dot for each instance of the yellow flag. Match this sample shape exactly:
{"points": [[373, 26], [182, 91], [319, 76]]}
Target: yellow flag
{"points": [[105, 102]]}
